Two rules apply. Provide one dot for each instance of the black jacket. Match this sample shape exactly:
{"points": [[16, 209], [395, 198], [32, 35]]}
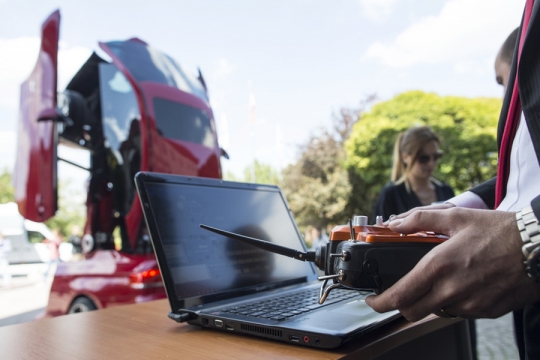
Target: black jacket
{"points": [[396, 199], [527, 321]]}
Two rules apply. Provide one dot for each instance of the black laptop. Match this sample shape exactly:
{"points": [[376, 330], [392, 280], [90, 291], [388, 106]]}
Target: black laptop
{"points": [[224, 284]]}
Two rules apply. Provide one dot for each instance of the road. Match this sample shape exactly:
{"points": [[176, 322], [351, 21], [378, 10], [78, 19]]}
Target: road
{"points": [[27, 298]]}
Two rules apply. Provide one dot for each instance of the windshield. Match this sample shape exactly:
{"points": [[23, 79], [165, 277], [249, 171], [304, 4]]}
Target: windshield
{"points": [[181, 122], [147, 64]]}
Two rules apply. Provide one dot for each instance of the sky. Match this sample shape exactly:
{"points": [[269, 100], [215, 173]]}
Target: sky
{"points": [[276, 70]]}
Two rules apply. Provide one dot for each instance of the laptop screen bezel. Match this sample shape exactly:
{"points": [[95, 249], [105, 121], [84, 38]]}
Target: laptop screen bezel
{"points": [[142, 179]]}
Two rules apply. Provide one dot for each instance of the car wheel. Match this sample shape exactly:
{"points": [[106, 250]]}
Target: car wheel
{"points": [[82, 304], [87, 243]]}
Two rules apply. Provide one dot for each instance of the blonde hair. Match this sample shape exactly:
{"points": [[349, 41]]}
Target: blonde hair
{"points": [[410, 142]]}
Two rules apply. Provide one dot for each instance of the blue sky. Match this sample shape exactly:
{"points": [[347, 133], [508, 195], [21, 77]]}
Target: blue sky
{"points": [[296, 62]]}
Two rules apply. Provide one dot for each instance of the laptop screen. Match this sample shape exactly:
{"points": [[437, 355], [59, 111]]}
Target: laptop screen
{"points": [[200, 262]]}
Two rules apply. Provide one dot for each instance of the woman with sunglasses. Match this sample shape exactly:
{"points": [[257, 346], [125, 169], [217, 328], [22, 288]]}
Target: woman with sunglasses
{"points": [[416, 153]]}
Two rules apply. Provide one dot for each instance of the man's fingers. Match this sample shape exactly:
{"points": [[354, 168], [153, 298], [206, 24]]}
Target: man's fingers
{"points": [[428, 207], [407, 291], [446, 297], [426, 220]]}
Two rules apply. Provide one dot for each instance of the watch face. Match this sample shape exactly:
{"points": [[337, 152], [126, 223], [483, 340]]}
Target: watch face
{"points": [[533, 264]]}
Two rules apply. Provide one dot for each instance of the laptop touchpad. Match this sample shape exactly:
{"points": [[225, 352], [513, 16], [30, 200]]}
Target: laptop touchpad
{"points": [[345, 317], [357, 308]]}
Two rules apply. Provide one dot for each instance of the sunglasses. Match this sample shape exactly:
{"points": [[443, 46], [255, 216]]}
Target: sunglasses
{"points": [[424, 159]]}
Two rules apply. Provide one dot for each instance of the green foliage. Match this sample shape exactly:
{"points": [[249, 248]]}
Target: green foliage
{"points": [[317, 186], [257, 173], [467, 128], [261, 174], [229, 175], [7, 193], [71, 210]]}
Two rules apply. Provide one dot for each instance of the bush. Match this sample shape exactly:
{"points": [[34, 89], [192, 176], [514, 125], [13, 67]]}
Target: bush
{"points": [[467, 128]]}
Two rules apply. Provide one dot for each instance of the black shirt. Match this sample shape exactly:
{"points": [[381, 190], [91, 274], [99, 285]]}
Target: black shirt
{"points": [[395, 199]]}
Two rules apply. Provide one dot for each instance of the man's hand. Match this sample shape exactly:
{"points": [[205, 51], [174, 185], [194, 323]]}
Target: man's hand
{"points": [[442, 206], [478, 272]]}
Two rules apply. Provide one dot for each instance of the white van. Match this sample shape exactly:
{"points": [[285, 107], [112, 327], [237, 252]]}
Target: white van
{"points": [[26, 236]]}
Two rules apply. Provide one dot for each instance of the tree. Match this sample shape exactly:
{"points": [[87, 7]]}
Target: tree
{"points": [[260, 173], [467, 128], [257, 173], [317, 186], [71, 209], [7, 193], [230, 176]]}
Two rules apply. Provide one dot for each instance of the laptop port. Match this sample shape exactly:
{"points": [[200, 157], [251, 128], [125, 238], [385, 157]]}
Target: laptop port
{"points": [[229, 327], [204, 321], [294, 338], [218, 323], [306, 339]]}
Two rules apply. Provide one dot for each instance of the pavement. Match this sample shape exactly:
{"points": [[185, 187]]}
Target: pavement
{"points": [[495, 339], [27, 297]]}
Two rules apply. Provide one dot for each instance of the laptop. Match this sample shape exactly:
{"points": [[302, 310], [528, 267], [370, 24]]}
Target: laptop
{"points": [[224, 284]]}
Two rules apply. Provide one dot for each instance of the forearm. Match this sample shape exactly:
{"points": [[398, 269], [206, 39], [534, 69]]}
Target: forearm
{"points": [[486, 191]]}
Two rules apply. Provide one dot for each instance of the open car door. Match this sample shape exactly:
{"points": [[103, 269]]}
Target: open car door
{"points": [[34, 176]]}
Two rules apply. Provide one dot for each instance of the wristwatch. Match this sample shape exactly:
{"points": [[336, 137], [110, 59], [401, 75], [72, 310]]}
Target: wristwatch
{"points": [[529, 230]]}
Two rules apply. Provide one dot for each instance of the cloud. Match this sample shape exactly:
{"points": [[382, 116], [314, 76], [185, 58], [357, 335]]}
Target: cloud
{"points": [[222, 68], [465, 32], [377, 9], [8, 140], [18, 57], [223, 131], [473, 65], [218, 96], [70, 60]]}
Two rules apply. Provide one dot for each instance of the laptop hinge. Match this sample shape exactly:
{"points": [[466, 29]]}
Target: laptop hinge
{"points": [[183, 316]]}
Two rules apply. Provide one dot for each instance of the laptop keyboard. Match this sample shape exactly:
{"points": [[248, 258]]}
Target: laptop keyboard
{"points": [[286, 306]]}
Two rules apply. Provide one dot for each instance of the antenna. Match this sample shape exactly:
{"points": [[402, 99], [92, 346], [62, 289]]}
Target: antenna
{"points": [[265, 245], [353, 235]]}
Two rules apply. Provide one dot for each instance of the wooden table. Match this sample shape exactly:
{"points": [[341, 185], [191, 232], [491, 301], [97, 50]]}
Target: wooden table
{"points": [[143, 331]]}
